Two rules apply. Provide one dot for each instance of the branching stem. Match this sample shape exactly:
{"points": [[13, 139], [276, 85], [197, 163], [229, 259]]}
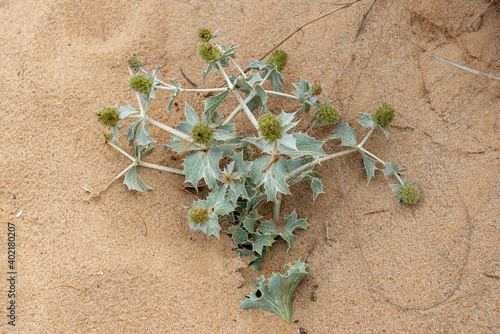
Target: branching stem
{"points": [[238, 67], [315, 162], [238, 108], [159, 167], [122, 152], [366, 137], [162, 126], [229, 83], [246, 110], [184, 90]]}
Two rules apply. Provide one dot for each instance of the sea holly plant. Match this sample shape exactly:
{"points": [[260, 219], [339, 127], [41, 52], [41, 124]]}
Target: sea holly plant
{"points": [[242, 174]]}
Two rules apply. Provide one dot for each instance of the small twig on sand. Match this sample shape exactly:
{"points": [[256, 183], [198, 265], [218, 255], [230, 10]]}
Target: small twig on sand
{"points": [[307, 23], [465, 68], [340, 74], [363, 20], [185, 77], [481, 12]]}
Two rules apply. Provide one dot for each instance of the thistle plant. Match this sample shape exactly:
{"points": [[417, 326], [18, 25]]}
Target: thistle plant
{"points": [[260, 168]]}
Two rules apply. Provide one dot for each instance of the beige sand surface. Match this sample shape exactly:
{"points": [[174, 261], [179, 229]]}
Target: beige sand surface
{"points": [[128, 263]]}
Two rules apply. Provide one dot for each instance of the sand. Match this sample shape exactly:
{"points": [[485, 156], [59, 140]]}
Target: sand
{"points": [[128, 262]]}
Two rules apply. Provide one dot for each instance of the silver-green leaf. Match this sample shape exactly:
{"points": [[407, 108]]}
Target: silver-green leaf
{"points": [[276, 295]]}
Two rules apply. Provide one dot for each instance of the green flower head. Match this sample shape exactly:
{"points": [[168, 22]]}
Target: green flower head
{"points": [[209, 51], [202, 133], [328, 114], [279, 58], [409, 193], [270, 127], [384, 115], [204, 34], [198, 215], [140, 83], [134, 63], [316, 89], [108, 116]]}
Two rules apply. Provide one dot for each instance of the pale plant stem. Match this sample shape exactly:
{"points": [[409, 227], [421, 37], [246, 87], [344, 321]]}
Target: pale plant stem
{"points": [[159, 167], [162, 126], [238, 108], [281, 94], [134, 160], [315, 162], [117, 177], [201, 90], [277, 207], [366, 137], [238, 67], [370, 154], [265, 78], [272, 92], [247, 111], [379, 160], [163, 83], [239, 98], [229, 83], [399, 178], [277, 204]]}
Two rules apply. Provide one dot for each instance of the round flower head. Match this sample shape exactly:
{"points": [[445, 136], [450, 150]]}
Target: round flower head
{"points": [[134, 63], [202, 133], [278, 58], [384, 115], [209, 51], [198, 214], [204, 34], [270, 127], [108, 116], [140, 83], [316, 89], [328, 114], [409, 193]]}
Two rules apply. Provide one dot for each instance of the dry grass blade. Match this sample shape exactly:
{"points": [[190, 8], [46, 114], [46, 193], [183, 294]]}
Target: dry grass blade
{"points": [[465, 68]]}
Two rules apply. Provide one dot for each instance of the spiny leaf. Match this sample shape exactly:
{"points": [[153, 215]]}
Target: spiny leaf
{"points": [[273, 179], [390, 168], [316, 185], [131, 132], [212, 103], [126, 111], [261, 240], [204, 165], [306, 146], [143, 137], [292, 223], [191, 116], [346, 134], [302, 90], [174, 95], [267, 227], [366, 120], [134, 182], [276, 295], [369, 166]]}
